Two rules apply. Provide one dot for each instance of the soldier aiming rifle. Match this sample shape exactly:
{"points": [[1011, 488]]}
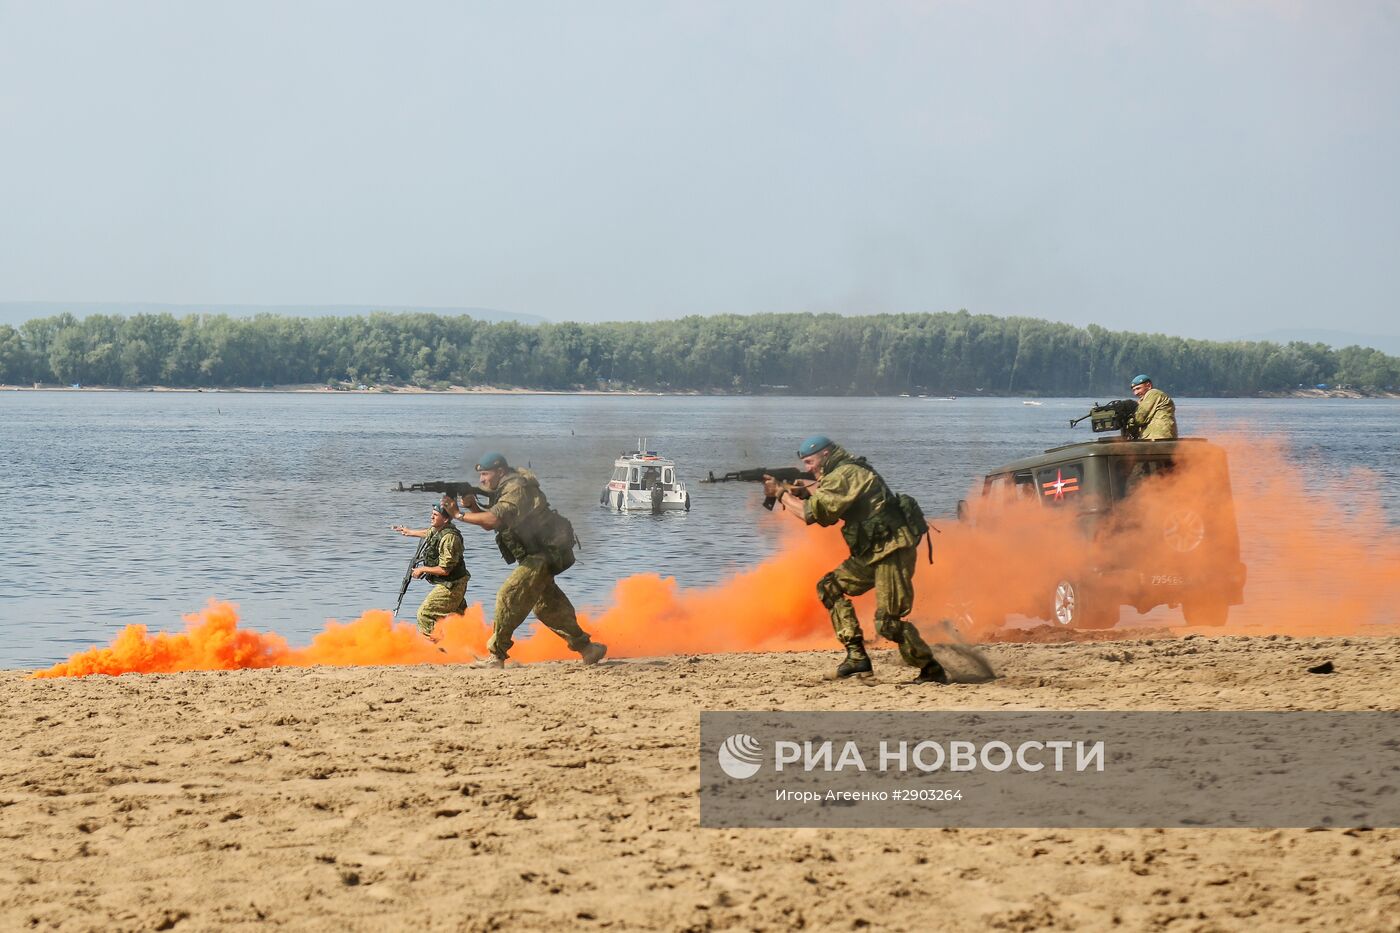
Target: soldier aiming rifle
{"points": [[1149, 416], [540, 542], [882, 531]]}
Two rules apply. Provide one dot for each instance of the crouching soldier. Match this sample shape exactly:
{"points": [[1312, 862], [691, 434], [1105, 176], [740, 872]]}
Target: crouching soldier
{"points": [[883, 541], [540, 542]]}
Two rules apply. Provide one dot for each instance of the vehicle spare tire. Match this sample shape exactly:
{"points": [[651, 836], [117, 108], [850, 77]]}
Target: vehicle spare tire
{"points": [[1184, 529]]}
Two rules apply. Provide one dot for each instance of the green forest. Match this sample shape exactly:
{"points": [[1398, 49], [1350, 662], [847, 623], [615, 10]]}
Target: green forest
{"points": [[818, 354]]}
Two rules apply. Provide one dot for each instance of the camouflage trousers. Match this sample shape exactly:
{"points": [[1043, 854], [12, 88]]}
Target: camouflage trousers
{"points": [[442, 599], [531, 588], [893, 581]]}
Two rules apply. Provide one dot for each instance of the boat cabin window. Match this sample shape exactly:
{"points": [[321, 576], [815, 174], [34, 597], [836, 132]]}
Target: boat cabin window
{"points": [[620, 474], [666, 476], [1025, 486]]}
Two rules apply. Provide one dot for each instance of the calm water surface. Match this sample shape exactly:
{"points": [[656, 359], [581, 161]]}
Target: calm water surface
{"points": [[137, 507]]}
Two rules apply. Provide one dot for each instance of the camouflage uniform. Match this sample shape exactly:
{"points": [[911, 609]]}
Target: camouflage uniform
{"points": [[520, 505], [1155, 416], [443, 548], [884, 559]]}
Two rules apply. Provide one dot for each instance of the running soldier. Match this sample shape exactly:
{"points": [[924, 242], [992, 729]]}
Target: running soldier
{"points": [[540, 542], [883, 542]]}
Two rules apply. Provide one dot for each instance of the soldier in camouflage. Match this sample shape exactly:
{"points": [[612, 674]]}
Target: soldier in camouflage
{"points": [[1155, 417], [442, 565], [540, 542], [883, 548]]}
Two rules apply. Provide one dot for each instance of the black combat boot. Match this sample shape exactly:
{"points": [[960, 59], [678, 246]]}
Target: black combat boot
{"points": [[857, 661], [932, 673]]}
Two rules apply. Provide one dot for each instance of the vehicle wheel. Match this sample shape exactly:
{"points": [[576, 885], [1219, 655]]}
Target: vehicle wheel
{"points": [[1184, 529], [1075, 607], [1213, 612]]}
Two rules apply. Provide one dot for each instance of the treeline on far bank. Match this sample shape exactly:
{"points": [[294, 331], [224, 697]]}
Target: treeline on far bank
{"points": [[823, 354]]}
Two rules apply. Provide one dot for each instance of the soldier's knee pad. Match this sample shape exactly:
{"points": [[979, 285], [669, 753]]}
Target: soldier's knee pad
{"points": [[890, 628], [829, 591]]}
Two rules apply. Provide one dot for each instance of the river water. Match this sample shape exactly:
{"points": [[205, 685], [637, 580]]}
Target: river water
{"points": [[137, 507]]}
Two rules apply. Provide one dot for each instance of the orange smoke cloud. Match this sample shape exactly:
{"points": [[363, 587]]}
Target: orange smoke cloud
{"points": [[772, 607], [1321, 556], [1320, 561]]}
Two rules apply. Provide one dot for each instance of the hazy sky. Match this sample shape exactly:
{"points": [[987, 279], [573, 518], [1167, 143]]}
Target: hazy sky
{"points": [[1207, 169]]}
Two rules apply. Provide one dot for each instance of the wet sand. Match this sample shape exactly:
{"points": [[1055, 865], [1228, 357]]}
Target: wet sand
{"points": [[552, 795]]}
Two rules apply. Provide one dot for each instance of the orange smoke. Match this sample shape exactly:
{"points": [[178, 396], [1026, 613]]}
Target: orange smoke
{"points": [[772, 607], [1321, 556], [1322, 559]]}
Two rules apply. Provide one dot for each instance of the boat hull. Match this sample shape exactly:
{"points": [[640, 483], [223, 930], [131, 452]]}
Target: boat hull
{"points": [[641, 501]]}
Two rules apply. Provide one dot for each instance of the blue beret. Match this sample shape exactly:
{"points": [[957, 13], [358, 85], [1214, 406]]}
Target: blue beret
{"points": [[441, 511], [1141, 378], [813, 444], [492, 461]]}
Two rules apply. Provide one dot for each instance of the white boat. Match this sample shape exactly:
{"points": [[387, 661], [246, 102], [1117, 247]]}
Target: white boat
{"points": [[1036, 404], [644, 481]]}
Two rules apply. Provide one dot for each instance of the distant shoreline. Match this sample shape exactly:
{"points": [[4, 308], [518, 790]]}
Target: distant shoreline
{"points": [[494, 390], [325, 390]]}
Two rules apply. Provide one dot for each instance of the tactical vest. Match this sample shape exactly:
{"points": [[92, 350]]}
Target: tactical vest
{"points": [[432, 552], [540, 531], [879, 515]]}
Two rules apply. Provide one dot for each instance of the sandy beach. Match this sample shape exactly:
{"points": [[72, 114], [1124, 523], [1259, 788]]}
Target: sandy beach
{"points": [[552, 795]]}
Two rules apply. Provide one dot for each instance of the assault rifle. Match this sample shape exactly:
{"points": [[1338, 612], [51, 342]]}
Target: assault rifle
{"points": [[1112, 416], [408, 574], [450, 488], [782, 474]]}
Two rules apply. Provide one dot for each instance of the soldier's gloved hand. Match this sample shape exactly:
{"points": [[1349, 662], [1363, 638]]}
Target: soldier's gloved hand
{"points": [[771, 487], [799, 490]]}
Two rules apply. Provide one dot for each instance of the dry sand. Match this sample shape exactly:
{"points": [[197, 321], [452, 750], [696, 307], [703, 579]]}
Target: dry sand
{"points": [[553, 795]]}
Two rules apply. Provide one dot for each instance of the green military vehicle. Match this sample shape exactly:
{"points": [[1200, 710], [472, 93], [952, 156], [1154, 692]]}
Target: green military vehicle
{"points": [[1178, 546]]}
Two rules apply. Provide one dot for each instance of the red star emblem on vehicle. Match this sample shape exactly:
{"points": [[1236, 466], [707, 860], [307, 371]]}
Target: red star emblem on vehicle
{"points": [[1057, 487]]}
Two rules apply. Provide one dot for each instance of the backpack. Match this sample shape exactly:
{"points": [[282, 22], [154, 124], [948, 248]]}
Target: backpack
{"points": [[902, 504], [914, 516]]}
